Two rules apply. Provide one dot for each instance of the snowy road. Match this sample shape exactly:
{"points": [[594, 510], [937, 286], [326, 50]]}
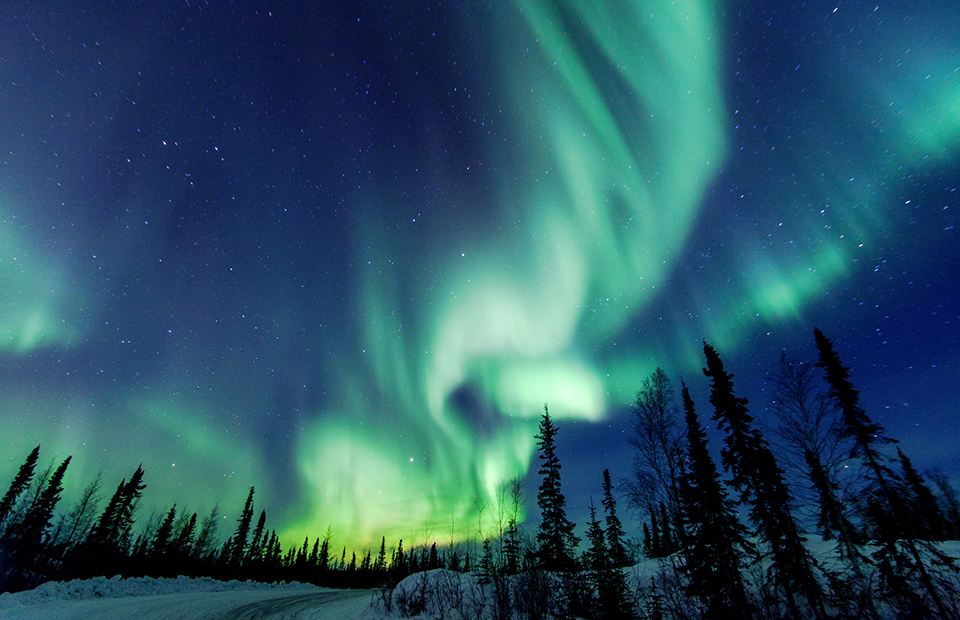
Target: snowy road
{"points": [[299, 606], [285, 605]]}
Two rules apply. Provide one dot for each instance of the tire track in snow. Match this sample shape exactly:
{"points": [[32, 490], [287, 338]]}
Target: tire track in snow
{"points": [[295, 606]]}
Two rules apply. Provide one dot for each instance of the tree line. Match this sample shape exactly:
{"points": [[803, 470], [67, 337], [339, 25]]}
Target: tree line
{"points": [[726, 545], [83, 543], [879, 513]]}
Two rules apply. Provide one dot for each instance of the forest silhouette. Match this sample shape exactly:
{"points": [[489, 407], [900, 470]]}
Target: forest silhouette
{"points": [[727, 542]]}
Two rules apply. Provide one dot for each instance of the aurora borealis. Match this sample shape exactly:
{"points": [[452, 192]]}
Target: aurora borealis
{"points": [[347, 253]]}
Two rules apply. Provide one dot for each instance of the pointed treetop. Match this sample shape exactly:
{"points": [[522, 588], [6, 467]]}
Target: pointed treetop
{"points": [[856, 423]]}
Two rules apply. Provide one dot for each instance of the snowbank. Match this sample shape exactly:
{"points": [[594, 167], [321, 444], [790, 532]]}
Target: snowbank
{"points": [[184, 599], [115, 587]]}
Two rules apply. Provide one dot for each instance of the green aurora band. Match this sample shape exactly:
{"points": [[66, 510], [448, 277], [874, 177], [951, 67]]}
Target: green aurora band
{"points": [[624, 123], [629, 137], [600, 217], [31, 294]]}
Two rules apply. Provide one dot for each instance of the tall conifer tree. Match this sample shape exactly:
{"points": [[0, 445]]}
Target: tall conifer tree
{"points": [[867, 435], [237, 545], [19, 484], [556, 541], [111, 534], [761, 484], [381, 562], [255, 550], [831, 518], [162, 538], [184, 538], [614, 532], [715, 542], [324, 558], [611, 600], [926, 518], [207, 539], [597, 563], [27, 538]]}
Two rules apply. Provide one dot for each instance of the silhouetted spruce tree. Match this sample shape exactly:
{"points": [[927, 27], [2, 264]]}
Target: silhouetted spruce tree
{"points": [[948, 501], [487, 570], [511, 548], [237, 545], [758, 478], [556, 542], [74, 526], [274, 558], [715, 544], [27, 538], [832, 522], [654, 607], [614, 532], [205, 546], [182, 544], [668, 538], [851, 594], [399, 562], [18, 485], [656, 539], [646, 544], [926, 519], [302, 553], [109, 540], [324, 560], [864, 432], [161, 538], [381, 563], [255, 550], [596, 559], [611, 593], [32, 528], [867, 435], [511, 506], [418, 560], [741, 442], [315, 553], [831, 517]]}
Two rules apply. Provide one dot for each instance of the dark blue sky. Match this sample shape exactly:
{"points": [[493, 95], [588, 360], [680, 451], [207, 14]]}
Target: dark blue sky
{"points": [[346, 253]]}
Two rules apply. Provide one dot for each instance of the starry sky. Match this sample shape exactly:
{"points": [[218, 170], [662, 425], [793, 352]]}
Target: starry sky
{"points": [[347, 252]]}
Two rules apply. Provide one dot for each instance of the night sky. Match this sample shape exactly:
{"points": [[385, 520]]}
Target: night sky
{"points": [[347, 253]]}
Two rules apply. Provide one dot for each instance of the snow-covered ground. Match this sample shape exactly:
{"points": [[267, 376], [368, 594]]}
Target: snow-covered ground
{"points": [[184, 599], [432, 594]]}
